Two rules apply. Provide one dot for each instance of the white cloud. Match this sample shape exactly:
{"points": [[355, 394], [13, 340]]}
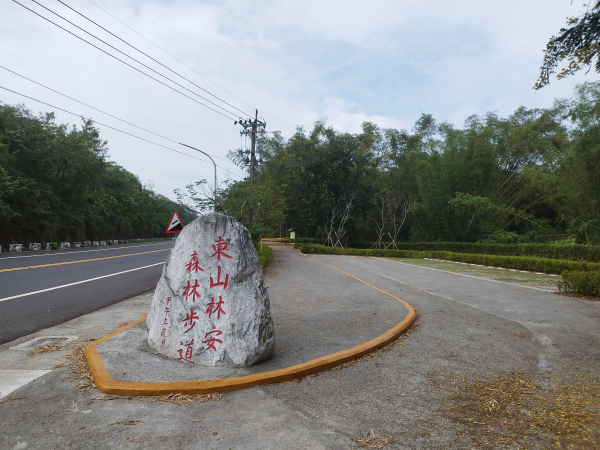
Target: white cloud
{"points": [[351, 61], [338, 114]]}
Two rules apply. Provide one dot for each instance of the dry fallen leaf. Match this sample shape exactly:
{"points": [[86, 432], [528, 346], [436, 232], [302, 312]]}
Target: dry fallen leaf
{"points": [[128, 422], [372, 441]]}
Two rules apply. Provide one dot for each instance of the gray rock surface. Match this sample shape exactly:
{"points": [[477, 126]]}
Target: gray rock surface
{"points": [[211, 306]]}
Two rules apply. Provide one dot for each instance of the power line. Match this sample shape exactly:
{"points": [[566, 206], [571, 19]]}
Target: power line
{"points": [[108, 126], [132, 58], [127, 64], [170, 54], [145, 54], [99, 110]]}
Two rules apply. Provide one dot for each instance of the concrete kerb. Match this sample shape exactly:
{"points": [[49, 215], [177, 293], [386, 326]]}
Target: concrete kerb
{"points": [[108, 385]]}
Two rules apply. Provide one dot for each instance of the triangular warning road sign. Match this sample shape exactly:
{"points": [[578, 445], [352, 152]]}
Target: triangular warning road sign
{"points": [[175, 225]]}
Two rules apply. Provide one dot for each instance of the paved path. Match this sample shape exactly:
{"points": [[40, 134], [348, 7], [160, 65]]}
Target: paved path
{"points": [[42, 289], [470, 330]]}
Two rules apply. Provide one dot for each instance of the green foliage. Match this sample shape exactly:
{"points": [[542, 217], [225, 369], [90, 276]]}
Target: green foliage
{"points": [[527, 178], [307, 240], [571, 251], [506, 237], [309, 171], [585, 283], [255, 205], [544, 265], [56, 184], [264, 253], [579, 44]]}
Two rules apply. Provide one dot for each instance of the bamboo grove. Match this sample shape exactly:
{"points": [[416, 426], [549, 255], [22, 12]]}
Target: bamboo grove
{"points": [[533, 176]]}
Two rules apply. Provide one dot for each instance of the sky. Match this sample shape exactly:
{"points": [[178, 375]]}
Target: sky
{"points": [[385, 62]]}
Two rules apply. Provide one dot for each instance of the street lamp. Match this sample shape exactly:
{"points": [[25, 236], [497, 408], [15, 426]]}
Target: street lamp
{"points": [[213, 161]]}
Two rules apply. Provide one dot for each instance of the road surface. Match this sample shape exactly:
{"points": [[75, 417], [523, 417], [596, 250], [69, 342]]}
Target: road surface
{"points": [[42, 289], [490, 366]]}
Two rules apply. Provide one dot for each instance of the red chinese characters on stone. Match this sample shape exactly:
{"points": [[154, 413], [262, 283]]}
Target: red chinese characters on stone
{"points": [[194, 264], [191, 291], [190, 320], [215, 308], [219, 249], [219, 282], [163, 332], [188, 351], [211, 340]]}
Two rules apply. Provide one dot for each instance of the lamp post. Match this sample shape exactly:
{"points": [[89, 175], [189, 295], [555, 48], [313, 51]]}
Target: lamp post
{"points": [[213, 161]]}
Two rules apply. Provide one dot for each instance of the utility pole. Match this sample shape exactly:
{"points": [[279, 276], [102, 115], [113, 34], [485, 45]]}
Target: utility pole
{"points": [[252, 127]]}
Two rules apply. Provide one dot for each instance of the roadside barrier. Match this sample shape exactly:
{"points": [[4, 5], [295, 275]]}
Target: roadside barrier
{"points": [[37, 246]]}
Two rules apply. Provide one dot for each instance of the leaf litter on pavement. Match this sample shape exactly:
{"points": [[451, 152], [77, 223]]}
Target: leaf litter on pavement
{"points": [[517, 410]]}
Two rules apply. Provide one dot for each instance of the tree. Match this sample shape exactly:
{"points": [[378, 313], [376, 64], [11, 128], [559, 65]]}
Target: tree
{"points": [[578, 44], [56, 184]]}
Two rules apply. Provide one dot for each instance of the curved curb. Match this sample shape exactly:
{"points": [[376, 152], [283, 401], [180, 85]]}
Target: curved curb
{"points": [[107, 384]]}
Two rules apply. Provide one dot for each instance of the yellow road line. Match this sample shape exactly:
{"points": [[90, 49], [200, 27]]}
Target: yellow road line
{"points": [[82, 260], [370, 285]]}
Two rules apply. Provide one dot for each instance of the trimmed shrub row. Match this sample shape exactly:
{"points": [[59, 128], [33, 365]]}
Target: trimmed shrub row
{"points": [[545, 265], [264, 253], [307, 241], [571, 252], [585, 283]]}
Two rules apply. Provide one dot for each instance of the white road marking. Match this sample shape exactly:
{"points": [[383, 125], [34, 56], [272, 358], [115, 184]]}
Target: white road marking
{"points": [[78, 282], [459, 274], [80, 251], [12, 379]]}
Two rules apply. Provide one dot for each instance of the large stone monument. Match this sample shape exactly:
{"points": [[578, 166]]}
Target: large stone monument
{"points": [[211, 306]]}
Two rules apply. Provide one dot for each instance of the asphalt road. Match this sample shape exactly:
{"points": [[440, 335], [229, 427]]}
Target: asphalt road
{"points": [[491, 365], [42, 289]]}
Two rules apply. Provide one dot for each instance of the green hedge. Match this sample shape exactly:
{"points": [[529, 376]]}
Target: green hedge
{"points": [[307, 241], [572, 252], [264, 253], [545, 265], [585, 283]]}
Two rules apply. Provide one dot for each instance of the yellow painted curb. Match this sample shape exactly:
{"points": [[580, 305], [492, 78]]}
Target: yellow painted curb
{"points": [[107, 384]]}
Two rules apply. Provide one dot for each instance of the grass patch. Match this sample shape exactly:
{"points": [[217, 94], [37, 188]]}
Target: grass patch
{"points": [[540, 281], [265, 253]]}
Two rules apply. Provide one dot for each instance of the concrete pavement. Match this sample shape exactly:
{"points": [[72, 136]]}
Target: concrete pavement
{"points": [[470, 330]]}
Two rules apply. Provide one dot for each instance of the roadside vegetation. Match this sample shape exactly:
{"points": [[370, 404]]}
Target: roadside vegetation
{"points": [[529, 178], [520, 192], [57, 184], [530, 279], [264, 253]]}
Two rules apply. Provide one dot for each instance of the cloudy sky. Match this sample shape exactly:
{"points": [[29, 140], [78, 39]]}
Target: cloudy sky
{"points": [[296, 62]]}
